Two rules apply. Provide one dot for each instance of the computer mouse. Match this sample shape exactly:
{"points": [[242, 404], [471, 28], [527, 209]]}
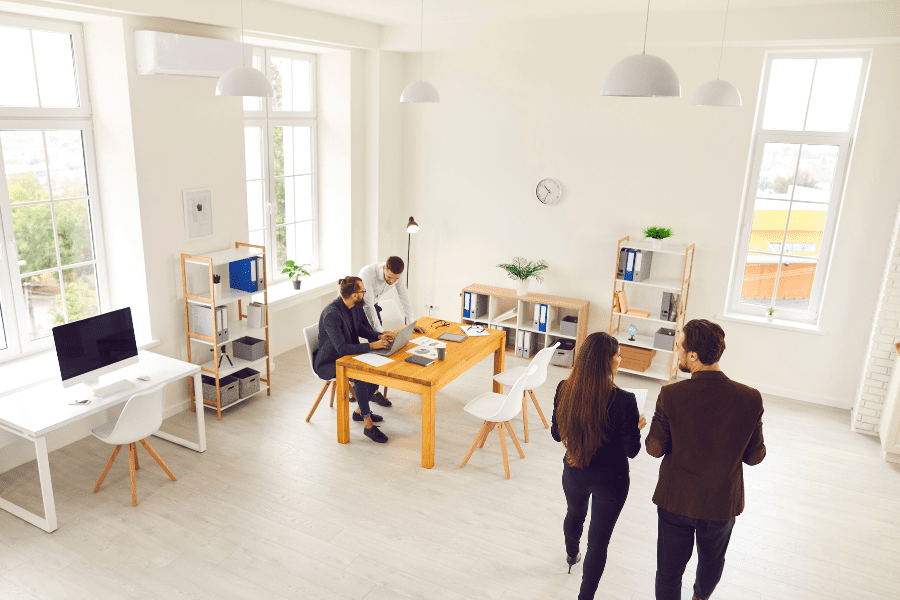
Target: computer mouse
{"points": [[144, 377]]}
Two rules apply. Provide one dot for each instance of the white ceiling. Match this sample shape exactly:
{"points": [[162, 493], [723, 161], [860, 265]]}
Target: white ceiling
{"points": [[402, 12]]}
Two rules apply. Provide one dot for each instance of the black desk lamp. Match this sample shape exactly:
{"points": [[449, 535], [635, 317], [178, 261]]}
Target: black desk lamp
{"points": [[411, 228]]}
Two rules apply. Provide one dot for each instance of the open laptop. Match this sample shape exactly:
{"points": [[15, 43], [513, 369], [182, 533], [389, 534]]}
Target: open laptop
{"points": [[402, 339]]}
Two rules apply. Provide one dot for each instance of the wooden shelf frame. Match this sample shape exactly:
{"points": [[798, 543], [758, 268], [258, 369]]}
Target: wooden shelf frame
{"points": [[241, 250], [615, 318]]}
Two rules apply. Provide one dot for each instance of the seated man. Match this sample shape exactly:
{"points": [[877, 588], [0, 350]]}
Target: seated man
{"points": [[340, 327]]}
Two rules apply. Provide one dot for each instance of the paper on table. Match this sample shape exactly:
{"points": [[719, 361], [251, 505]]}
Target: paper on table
{"points": [[423, 351], [374, 360], [427, 342], [473, 331]]}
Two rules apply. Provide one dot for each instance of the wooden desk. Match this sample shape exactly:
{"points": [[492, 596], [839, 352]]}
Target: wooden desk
{"points": [[424, 381]]}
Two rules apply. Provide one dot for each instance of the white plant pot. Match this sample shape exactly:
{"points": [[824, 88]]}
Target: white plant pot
{"points": [[656, 244], [770, 318], [217, 290], [522, 287]]}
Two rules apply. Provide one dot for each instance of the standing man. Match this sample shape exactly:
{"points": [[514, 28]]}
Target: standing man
{"points": [[704, 428]]}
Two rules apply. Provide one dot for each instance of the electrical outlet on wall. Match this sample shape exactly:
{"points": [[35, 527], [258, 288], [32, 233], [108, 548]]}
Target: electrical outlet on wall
{"points": [[430, 307]]}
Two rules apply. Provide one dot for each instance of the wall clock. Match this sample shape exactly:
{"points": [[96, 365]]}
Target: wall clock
{"points": [[548, 191]]}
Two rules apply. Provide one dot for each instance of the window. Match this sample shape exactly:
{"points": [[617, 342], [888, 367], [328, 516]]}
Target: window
{"points": [[280, 147], [50, 272], [808, 112]]}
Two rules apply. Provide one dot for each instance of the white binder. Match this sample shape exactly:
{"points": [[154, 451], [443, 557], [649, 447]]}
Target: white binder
{"points": [[527, 345], [520, 338]]}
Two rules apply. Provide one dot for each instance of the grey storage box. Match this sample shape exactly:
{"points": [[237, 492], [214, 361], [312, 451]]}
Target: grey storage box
{"points": [[228, 389], [569, 326], [248, 381], [664, 339], [201, 321], [249, 348], [564, 356]]}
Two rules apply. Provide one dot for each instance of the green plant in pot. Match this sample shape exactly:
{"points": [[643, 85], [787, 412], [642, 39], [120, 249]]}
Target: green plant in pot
{"points": [[657, 235], [522, 271], [295, 271]]}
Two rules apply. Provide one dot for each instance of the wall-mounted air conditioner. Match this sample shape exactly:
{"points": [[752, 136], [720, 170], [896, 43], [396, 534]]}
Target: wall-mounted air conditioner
{"points": [[175, 54]]}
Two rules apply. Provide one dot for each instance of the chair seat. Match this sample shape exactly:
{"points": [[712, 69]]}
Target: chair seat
{"points": [[510, 376], [485, 406], [101, 432]]}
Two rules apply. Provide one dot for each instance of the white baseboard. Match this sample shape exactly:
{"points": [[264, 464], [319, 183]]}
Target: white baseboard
{"points": [[844, 404]]}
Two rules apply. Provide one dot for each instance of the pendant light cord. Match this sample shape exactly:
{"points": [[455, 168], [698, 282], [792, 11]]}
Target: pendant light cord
{"points": [[722, 47], [421, 38], [646, 23]]}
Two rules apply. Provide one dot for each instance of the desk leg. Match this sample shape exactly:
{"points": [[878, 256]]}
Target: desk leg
{"points": [[48, 521], [428, 397], [343, 405], [200, 445], [499, 357]]}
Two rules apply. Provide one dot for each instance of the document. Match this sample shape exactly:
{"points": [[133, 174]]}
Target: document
{"points": [[374, 360], [640, 395], [423, 351], [473, 331], [427, 342]]}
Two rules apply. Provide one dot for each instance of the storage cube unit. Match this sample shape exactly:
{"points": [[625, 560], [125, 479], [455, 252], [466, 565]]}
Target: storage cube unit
{"points": [[248, 381], [248, 348], [228, 389]]}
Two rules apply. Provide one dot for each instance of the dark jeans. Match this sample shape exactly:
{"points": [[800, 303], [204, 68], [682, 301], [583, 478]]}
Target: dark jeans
{"points": [[674, 546], [364, 391], [609, 493]]}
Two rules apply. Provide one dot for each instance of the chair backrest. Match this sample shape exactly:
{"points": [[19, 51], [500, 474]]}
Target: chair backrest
{"points": [[311, 335], [513, 403], [542, 361], [391, 317], [141, 416]]}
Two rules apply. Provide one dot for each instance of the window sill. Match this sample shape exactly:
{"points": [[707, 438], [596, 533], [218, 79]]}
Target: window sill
{"points": [[283, 295], [776, 324]]}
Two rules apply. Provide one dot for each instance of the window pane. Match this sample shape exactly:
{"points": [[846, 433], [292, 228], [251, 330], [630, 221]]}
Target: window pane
{"points": [[25, 164], [255, 206], [833, 94], [43, 303], [253, 152], [299, 206], [19, 87], [55, 69], [816, 173], [302, 150], [759, 279], [776, 173], [253, 102], [294, 242], [33, 229], [788, 93], [73, 229], [82, 299], [282, 82], [807, 224], [65, 155], [301, 77], [284, 189], [293, 150], [769, 222], [795, 284], [278, 143]]}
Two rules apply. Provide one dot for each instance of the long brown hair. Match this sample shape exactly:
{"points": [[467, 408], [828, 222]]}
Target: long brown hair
{"points": [[583, 411]]}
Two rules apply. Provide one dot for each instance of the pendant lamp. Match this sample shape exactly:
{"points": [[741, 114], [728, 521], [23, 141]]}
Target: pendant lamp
{"points": [[642, 75], [420, 91], [717, 92], [244, 80]]}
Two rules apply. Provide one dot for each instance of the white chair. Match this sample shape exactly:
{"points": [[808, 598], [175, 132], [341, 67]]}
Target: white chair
{"points": [[496, 410], [311, 334], [510, 376], [141, 418]]}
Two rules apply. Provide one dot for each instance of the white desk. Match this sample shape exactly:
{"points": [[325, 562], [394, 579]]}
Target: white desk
{"points": [[33, 413]]}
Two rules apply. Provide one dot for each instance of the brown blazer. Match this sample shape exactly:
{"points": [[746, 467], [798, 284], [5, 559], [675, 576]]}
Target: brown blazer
{"points": [[705, 427]]}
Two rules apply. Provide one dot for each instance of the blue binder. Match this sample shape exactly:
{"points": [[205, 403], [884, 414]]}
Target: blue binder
{"points": [[467, 305], [542, 322], [242, 275], [629, 266]]}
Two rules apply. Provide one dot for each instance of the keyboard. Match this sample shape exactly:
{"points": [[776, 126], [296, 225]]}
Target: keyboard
{"points": [[116, 386]]}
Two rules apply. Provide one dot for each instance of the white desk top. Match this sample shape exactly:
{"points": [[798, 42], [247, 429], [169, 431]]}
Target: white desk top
{"points": [[39, 410]]}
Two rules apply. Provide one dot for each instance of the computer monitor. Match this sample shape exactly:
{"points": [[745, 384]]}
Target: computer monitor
{"points": [[91, 347]]}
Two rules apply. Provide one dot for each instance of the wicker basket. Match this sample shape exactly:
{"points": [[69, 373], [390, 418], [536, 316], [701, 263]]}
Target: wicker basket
{"points": [[248, 381], [249, 348], [228, 389]]}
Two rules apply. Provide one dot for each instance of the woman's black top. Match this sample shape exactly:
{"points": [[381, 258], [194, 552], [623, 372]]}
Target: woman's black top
{"points": [[623, 439]]}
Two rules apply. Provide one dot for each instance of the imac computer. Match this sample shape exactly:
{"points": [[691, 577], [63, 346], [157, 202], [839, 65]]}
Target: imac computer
{"points": [[92, 347]]}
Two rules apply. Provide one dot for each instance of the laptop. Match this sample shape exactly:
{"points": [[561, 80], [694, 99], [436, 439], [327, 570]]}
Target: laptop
{"points": [[402, 339]]}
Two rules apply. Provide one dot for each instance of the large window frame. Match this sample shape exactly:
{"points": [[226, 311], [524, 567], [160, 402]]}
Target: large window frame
{"points": [[12, 293], [761, 137]]}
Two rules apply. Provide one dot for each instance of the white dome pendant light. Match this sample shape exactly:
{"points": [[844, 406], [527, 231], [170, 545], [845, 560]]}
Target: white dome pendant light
{"points": [[642, 75], [420, 91], [717, 92], [244, 80]]}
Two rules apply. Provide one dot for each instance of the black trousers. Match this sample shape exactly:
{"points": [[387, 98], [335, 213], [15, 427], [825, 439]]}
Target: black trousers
{"points": [[607, 495], [674, 546]]}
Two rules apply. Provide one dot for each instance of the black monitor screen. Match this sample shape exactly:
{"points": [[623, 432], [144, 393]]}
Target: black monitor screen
{"points": [[94, 343]]}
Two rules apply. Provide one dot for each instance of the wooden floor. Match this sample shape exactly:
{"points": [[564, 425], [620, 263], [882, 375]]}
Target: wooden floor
{"points": [[277, 509]]}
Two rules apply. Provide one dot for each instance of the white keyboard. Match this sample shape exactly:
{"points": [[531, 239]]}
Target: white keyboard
{"points": [[116, 386]]}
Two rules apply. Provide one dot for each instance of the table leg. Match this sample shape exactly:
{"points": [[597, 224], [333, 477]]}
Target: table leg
{"points": [[43, 464], [428, 397], [200, 444], [343, 405], [499, 357]]}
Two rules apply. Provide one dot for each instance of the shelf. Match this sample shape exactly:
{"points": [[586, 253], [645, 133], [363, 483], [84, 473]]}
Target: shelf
{"points": [[656, 371], [672, 323], [668, 284], [641, 341], [226, 369], [262, 389], [236, 329], [223, 257], [556, 333], [227, 295], [679, 249]]}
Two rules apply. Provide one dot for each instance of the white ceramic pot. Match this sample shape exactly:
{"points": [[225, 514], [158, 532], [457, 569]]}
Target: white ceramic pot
{"points": [[770, 318], [217, 290], [656, 244], [522, 287]]}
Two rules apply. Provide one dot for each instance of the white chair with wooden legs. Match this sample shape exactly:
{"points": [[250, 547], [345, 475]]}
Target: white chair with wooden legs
{"points": [[496, 410], [311, 334], [510, 376], [141, 418]]}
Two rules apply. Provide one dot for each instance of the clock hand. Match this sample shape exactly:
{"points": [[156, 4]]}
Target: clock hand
{"points": [[545, 187]]}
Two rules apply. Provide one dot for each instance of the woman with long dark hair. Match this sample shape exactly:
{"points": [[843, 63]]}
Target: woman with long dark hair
{"points": [[599, 425]]}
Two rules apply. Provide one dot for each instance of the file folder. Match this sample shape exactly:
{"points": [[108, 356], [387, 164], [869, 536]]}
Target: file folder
{"points": [[242, 276], [260, 274], [467, 305], [537, 316], [520, 339], [542, 323], [629, 266], [623, 256]]}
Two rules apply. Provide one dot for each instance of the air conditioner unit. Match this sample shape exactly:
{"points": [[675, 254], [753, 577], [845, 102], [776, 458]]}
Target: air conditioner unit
{"points": [[163, 53]]}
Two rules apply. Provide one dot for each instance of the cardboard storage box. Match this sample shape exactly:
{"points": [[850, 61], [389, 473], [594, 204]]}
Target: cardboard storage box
{"points": [[228, 389], [636, 359]]}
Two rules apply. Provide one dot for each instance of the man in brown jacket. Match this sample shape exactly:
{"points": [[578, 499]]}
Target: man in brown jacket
{"points": [[704, 428]]}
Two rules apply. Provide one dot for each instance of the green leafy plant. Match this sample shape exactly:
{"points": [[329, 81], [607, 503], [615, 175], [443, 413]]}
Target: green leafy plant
{"points": [[657, 233], [771, 311], [523, 269], [293, 270]]}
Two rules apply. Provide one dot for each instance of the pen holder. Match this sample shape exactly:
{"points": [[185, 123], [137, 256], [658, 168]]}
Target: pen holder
{"points": [[441, 353]]}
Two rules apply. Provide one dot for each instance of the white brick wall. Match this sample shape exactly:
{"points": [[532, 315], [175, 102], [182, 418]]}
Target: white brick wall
{"points": [[881, 354]]}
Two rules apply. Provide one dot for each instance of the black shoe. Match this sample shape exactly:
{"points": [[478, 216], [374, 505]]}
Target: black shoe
{"points": [[573, 560], [379, 399], [375, 418], [374, 434]]}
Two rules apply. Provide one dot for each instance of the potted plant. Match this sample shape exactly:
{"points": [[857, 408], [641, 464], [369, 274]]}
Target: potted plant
{"points": [[522, 270], [657, 234], [295, 271], [771, 316], [217, 287]]}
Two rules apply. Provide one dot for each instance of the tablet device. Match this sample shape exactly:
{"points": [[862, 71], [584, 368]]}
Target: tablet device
{"points": [[452, 337], [420, 360]]}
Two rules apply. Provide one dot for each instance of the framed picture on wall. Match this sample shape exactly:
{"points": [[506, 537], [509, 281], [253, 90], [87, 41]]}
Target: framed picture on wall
{"points": [[198, 214]]}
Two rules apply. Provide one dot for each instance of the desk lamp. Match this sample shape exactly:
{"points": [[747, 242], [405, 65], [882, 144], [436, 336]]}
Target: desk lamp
{"points": [[411, 228]]}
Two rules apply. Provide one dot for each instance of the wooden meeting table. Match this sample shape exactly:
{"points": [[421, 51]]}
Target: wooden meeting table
{"points": [[424, 381]]}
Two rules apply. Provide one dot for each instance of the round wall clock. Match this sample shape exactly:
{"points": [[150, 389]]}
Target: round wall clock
{"points": [[548, 191]]}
